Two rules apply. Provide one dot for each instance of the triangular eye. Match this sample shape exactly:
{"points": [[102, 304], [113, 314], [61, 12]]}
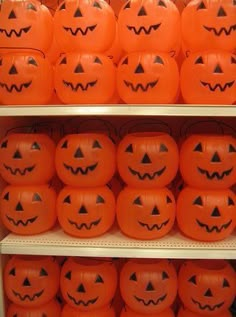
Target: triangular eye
{"points": [[30, 6], [168, 200], [36, 197], [225, 283], [233, 59], [125, 61], [4, 144], [158, 60], [137, 201], [13, 272], [43, 272], [97, 5], [63, 61], [100, 200], [163, 148], [127, 6], [6, 196], [32, 61], [129, 148], [0, 62], [67, 200], [68, 275], [133, 277], [96, 145], [35, 146], [64, 145], [201, 6], [97, 61], [62, 7], [199, 60], [198, 201], [230, 202], [99, 279], [193, 280], [198, 148], [232, 148], [165, 275], [162, 4]]}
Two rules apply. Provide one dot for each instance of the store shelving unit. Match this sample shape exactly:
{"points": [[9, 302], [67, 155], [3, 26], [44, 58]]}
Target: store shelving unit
{"points": [[112, 244]]}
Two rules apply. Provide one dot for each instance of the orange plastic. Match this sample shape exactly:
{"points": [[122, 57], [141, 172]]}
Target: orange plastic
{"points": [[209, 24], [208, 78], [207, 287], [88, 284], [208, 161], [206, 215], [27, 158], [25, 78], [50, 309], [86, 212], [148, 78], [145, 213], [31, 281], [115, 51], [149, 25], [84, 26], [184, 312], [148, 286], [84, 79], [147, 159], [181, 4], [85, 159], [127, 312], [107, 311], [27, 210], [25, 24]]}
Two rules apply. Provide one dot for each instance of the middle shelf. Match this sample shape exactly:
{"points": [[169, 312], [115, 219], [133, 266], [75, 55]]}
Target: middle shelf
{"points": [[115, 244]]}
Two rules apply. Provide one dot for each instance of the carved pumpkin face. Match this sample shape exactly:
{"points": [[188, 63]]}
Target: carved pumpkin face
{"points": [[84, 78], [85, 159], [107, 311], [211, 214], [184, 312], [50, 309], [145, 213], [148, 286], [25, 79], [31, 281], [86, 212], [207, 287], [23, 157], [147, 78], [148, 25], [209, 78], [84, 26], [88, 284], [147, 159], [208, 161], [28, 209], [209, 25], [127, 312], [25, 24]]}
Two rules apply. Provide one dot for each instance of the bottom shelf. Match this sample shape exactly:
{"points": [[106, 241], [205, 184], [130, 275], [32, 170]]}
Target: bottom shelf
{"points": [[115, 244]]}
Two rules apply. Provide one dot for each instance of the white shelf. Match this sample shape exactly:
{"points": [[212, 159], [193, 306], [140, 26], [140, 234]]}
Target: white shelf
{"points": [[114, 244], [120, 110]]}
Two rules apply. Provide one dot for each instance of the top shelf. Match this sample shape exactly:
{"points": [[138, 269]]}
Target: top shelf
{"points": [[120, 110]]}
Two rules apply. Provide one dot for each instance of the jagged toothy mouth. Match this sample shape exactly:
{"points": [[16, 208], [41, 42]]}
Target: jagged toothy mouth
{"points": [[218, 86], [207, 306], [14, 32], [15, 171], [75, 31], [80, 170], [85, 225], [154, 226], [143, 29], [14, 87], [21, 222], [151, 301], [223, 30], [81, 302], [140, 86], [27, 296], [83, 87], [215, 175], [217, 229], [149, 176]]}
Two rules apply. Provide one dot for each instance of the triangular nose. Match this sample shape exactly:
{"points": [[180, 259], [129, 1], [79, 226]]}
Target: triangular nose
{"points": [[221, 12], [215, 158], [81, 289], [78, 153], [139, 69], [26, 282], [13, 70], [218, 70], [79, 69], [17, 155], [149, 287], [12, 15], [155, 211], [19, 207], [82, 210], [146, 159], [142, 12], [78, 13], [215, 212], [208, 293]]}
